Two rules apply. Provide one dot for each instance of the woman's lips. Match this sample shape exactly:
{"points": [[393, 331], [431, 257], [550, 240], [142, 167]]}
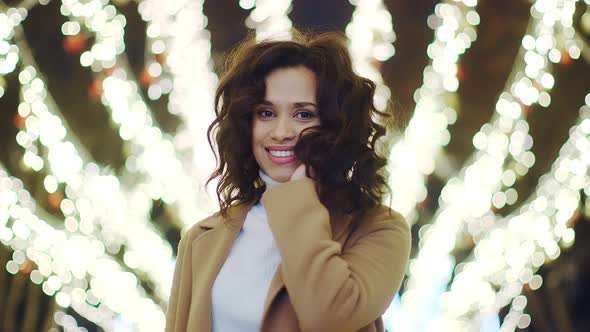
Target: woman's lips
{"points": [[281, 160]]}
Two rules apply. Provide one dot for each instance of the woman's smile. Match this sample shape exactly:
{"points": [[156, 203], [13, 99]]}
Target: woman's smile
{"points": [[281, 155]]}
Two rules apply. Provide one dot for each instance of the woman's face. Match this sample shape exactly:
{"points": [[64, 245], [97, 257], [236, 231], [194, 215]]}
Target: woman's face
{"points": [[289, 106]]}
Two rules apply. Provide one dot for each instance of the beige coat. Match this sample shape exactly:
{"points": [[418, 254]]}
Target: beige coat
{"points": [[332, 277]]}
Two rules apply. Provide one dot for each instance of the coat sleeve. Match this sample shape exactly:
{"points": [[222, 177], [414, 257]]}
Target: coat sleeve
{"points": [[180, 296], [332, 290]]}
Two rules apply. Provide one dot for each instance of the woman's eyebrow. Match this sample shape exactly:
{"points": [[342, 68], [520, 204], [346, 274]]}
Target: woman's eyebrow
{"points": [[303, 104], [297, 104]]}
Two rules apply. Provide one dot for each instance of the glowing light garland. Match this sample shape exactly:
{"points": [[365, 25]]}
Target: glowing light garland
{"points": [[467, 197], [95, 202], [269, 18], [67, 322], [454, 29], [74, 268], [509, 255], [153, 153], [539, 49], [144, 246], [9, 53], [371, 36], [177, 30]]}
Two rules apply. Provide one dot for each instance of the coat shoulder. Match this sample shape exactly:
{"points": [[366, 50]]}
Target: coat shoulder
{"points": [[383, 216], [383, 220], [201, 226]]}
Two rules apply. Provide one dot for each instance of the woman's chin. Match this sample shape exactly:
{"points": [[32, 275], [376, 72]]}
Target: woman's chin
{"points": [[281, 175]]}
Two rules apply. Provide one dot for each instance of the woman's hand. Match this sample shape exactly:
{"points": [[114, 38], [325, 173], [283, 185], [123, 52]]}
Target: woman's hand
{"points": [[299, 173]]}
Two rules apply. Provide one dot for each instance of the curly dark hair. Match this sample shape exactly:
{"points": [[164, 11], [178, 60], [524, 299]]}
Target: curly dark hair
{"points": [[349, 172]]}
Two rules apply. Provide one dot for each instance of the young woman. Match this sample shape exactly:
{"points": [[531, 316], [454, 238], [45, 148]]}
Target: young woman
{"points": [[301, 241]]}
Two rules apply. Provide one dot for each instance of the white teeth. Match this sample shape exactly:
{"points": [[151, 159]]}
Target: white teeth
{"points": [[281, 153]]}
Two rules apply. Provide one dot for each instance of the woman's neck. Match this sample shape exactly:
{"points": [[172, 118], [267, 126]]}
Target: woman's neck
{"points": [[269, 182]]}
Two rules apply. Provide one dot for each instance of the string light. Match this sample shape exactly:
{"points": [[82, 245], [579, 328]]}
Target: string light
{"points": [[454, 24], [508, 256], [95, 203], [529, 86], [269, 18], [65, 164], [177, 30], [467, 198], [153, 153], [72, 267], [67, 322], [370, 39], [9, 53]]}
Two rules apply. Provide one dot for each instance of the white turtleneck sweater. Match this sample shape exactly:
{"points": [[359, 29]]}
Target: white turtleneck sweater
{"points": [[242, 283]]}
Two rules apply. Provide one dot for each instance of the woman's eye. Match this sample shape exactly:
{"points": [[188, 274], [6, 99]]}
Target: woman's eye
{"points": [[265, 113], [305, 115]]}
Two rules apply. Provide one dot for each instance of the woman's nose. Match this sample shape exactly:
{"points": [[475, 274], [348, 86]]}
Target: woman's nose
{"points": [[283, 129]]}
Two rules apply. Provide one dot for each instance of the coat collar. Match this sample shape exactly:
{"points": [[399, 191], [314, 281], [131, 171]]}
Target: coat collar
{"points": [[237, 216], [211, 249]]}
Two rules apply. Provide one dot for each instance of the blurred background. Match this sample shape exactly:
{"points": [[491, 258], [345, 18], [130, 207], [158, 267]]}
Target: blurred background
{"points": [[103, 153]]}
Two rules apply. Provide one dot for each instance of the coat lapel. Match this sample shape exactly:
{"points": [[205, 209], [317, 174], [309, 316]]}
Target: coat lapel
{"points": [[210, 250]]}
